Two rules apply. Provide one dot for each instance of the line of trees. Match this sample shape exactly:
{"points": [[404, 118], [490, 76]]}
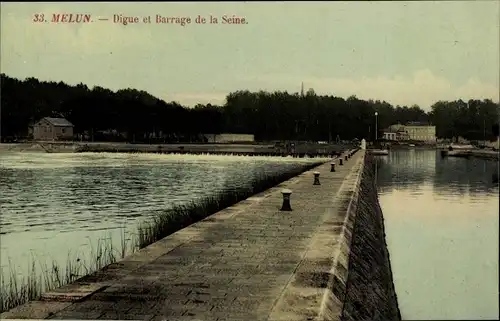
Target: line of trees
{"points": [[269, 116]]}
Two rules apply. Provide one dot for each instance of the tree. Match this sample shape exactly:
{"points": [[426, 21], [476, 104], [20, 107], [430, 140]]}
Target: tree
{"points": [[138, 115]]}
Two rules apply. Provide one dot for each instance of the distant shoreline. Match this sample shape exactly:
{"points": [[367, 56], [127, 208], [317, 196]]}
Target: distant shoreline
{"points": [[256, 149], [60, 146]]}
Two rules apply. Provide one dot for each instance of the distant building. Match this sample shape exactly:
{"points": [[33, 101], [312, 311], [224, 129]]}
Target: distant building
{"points": [[421, 132], [396, 133], [389, 135], [411, 131], [49, 128], [229, 138]]}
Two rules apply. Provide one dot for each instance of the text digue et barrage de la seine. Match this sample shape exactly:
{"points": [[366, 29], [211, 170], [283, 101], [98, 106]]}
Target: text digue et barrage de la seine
{"points": [[131, 20]]}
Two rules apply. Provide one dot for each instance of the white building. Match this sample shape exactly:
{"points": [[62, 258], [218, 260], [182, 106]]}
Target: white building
{"points": [[411, 131], [389, 135], [396, 133], [230, 138], [419, 132]]}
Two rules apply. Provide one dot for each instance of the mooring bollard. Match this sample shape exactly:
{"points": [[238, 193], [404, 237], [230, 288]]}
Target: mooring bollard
{"points": [[340, 162], [316, 178], [332, 169], [286, 200]]}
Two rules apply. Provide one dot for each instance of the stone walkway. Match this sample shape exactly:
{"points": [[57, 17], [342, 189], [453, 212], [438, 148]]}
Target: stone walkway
{"points": [[234, 265]]}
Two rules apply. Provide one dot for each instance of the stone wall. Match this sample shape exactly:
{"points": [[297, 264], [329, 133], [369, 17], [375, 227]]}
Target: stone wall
{"points": [[370, 293]]}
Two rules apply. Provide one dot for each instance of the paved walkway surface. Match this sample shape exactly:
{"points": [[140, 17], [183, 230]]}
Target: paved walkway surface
{"points": [[234, 265]]}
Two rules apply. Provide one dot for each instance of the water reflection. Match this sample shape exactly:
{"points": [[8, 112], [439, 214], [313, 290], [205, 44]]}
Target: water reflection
{"points": [[416, 166], [466, 176], [441, 218], [410, 169]]}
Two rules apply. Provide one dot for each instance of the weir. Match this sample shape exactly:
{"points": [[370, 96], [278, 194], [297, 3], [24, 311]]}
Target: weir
{"points": [[301, 150], [311, 248]]}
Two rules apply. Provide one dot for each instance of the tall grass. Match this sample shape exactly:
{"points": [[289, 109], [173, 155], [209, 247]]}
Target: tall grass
{"points": [[16, 291], [42, 277]]}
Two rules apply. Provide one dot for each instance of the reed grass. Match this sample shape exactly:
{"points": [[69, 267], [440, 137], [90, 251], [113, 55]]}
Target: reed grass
{"points": [[42, 277]]}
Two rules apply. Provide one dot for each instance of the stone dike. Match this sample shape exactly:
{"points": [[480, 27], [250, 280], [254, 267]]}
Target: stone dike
{"points": [[370, 293]]}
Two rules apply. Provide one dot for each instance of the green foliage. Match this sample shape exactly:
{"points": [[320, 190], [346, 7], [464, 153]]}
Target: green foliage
{"points": [[133, 115], [473, 120]]}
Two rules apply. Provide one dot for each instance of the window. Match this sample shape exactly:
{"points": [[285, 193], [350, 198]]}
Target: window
{"points": [[63, 130]]}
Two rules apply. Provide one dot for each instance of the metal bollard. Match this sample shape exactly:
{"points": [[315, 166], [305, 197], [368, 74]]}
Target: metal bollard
{"points": [[332, 169], [340, 162], [346, 158], [286, 200], [316, 178]]}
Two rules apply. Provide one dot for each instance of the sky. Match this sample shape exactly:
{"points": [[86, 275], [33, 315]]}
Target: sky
{"points": [[402, 52]]}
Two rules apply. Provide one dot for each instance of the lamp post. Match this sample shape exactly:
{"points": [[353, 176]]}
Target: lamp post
{"points": [[376, 125], [484, 131]]}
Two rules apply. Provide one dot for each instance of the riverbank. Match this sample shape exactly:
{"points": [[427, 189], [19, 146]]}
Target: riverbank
{"points": [[485, 154], [476, 153], [412, 146]]}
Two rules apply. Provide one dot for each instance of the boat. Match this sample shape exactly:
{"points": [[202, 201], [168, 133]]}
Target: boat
{"points": [[457, 150], [460, 153], [456, 153], [379, 152], [460, 147], [412, 145]]}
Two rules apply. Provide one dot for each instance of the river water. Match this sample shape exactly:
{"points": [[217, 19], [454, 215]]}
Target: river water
{"points": [[58, 207], [442, 226]]}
